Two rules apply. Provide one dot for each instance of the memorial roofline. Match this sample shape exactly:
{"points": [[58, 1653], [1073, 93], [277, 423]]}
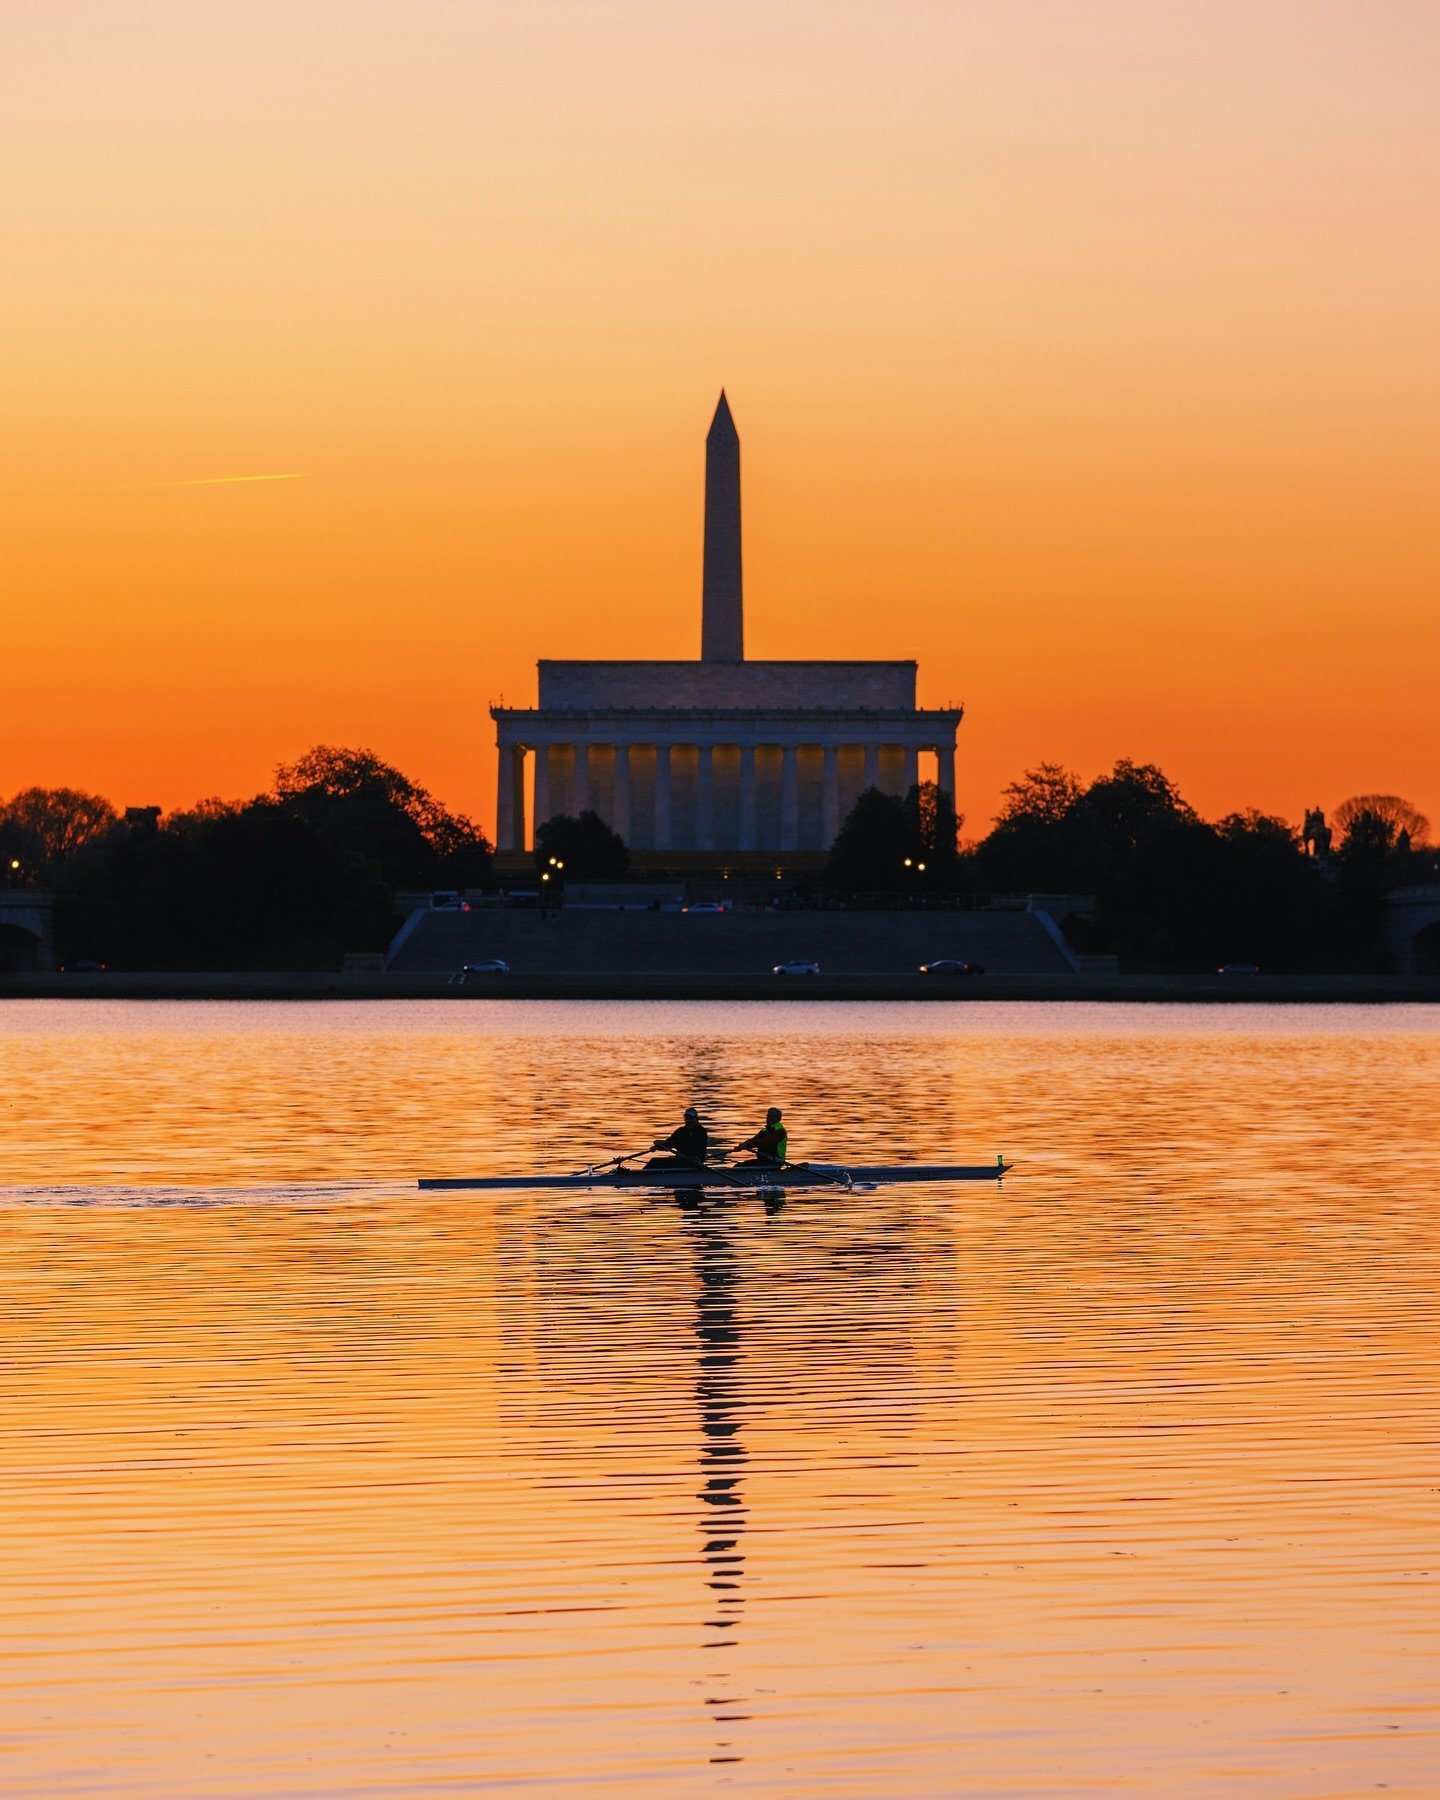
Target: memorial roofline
{"points": [[749, 663], [728, 712]]}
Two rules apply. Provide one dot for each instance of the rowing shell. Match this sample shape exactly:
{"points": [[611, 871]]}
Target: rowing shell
{"points": [[746, 1175]]}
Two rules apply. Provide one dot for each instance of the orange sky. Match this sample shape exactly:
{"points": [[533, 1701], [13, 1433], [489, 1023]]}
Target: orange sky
{"points": [[1084, 352]]}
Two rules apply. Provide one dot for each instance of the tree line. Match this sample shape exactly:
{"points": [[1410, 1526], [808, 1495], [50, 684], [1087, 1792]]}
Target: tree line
{"points": [[296, 876], [290, 879], [1171, 890]]}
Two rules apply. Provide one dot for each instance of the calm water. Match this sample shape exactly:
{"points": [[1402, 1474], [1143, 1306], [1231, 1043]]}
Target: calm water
{"points": [[1122, 1478]]}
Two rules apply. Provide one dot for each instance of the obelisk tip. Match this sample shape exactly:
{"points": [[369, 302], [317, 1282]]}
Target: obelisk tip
{"points": [[724, 420]]}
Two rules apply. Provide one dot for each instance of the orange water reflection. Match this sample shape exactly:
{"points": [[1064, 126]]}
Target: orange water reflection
{"points": [[1120, 1478]]}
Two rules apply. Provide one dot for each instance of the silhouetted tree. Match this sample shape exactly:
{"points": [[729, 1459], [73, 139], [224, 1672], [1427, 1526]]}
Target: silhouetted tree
{"points": [[587, 846], [1041, 840], [1364, 869], [275, 892], [868, 855], [1133, 804], [1390, 810], [291, 879], [41, 828], [1271, 903], [1377, 853], [1044, 795], [1172, 891], [1152, 863], [935, 826], [244, 887], [364, 807]]}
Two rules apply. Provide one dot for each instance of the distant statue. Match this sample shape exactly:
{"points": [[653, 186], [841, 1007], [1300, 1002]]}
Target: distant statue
{"points": [[1317, 833]]}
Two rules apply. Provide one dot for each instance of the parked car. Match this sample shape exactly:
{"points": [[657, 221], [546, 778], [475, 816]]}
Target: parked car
{"points": [[704, 906], [447, 900], [798, 967], [492, 966], [1238, 969], [951, 965]]}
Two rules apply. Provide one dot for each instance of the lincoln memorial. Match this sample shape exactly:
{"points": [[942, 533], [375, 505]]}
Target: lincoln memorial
{"points": [[720, 761]]}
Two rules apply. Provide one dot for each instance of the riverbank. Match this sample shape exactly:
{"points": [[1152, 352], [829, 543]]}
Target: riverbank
{"points": [[312, 985]]}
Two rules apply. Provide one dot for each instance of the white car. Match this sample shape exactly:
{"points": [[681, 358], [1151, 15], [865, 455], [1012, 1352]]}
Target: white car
{"points": [[798, 967], [493, 966]]}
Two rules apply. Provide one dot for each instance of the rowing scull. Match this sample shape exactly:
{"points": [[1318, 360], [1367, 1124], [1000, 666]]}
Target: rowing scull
{"points": [[744, 1175]]}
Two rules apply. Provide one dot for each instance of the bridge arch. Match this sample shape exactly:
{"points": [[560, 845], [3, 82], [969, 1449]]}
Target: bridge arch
{"points": [[1412, 928], [21, 951], [27, 929], [1425, 950]]}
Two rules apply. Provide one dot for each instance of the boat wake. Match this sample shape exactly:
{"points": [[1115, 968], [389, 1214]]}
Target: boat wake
{"points": [[133, 1195]]}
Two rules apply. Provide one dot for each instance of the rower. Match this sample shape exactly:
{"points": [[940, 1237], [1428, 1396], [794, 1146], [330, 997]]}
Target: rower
{"points": [[688, 1144], [771, 1143]]}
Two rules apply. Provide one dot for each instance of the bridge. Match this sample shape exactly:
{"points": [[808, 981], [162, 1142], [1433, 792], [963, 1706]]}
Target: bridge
{"points": [[27, 929], [1411, 928]]}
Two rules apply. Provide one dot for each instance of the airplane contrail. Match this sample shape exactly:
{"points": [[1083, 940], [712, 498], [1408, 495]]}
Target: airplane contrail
{"points": [[224, 480]]}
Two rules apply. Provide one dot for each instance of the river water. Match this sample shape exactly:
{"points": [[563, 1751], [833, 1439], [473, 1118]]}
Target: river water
{"points": [[1118, 1478]]}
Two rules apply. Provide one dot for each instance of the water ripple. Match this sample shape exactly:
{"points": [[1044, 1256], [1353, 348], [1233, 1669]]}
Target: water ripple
{"points": [[1120, 1476]]}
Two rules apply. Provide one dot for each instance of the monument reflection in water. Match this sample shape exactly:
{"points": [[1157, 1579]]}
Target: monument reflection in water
{"points": [[720, 1401]]}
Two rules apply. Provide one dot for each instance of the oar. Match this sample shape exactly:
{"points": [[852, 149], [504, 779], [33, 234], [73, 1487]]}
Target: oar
{"points": [[614, 1162], [735, 1150]]}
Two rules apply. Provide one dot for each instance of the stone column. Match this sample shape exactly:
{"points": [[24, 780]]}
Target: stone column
{"points": [[830, 792], [945, 768], [872, 766], [789, 799], [747, 796], [662, 797], [620, 824], [580, 784], [505, 800], [705, 798], [543, 809], [912, 766]]}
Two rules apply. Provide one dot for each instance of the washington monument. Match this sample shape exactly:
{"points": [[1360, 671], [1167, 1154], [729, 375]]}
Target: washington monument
{"points": [[722, 617], [718, 764]]}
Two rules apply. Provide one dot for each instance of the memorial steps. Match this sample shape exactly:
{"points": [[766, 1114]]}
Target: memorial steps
{"points": [[735, 943]]}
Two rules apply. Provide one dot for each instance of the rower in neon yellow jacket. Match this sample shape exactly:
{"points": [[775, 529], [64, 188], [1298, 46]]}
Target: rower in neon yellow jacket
{"points": [[771, 1143]]}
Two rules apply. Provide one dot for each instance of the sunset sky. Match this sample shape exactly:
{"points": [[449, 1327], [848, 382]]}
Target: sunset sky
{"points": [[1084, 350]]}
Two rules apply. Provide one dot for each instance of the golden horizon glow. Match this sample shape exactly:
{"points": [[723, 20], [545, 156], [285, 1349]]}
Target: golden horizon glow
{"points": [[1088, 360]]}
